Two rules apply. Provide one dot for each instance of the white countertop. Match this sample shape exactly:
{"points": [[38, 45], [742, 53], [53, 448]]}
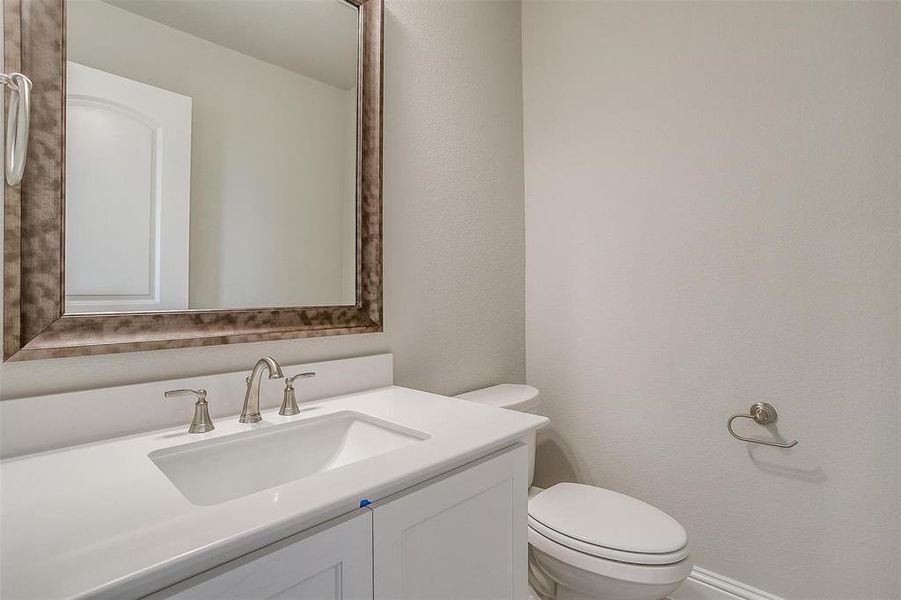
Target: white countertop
{"points": [[101, 520]]}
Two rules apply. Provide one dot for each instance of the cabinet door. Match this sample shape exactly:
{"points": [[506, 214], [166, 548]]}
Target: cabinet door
{"points": [[462, 535], [332, 562]]}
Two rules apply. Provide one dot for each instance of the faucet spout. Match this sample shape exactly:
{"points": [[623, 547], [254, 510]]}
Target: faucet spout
{"points": [[251, 411]]}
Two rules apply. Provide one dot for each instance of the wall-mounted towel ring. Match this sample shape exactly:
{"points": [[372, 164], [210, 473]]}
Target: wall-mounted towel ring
{"points": [[17, 125], [761, 413]]}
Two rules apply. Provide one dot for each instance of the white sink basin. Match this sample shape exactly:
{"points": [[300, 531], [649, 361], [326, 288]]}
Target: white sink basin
{"points": [[225, 468]]}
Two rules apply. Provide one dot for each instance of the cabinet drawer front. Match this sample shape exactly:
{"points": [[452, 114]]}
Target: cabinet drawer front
{"points": [[332, 562], [460, 536]]}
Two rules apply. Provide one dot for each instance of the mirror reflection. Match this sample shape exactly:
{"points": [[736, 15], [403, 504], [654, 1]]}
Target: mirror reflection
{"points": [[211, 154]]}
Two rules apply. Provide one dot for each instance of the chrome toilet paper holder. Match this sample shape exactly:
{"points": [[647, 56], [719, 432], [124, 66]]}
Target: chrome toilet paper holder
{"points": [[762, 414]]}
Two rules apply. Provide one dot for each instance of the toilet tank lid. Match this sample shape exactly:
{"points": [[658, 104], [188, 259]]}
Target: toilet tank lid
{"points": [[514, 396]]}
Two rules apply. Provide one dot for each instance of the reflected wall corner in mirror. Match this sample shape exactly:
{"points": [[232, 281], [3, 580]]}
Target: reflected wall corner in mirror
{"points": [[228, 190]]}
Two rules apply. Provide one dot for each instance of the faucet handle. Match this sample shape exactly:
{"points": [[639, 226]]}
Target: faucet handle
{"points": [[289, 402], [289, 381], [201, 423], [200, 394]]}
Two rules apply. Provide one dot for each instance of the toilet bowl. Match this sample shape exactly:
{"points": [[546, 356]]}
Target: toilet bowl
{"points": [[590, 543], [596, 543]]}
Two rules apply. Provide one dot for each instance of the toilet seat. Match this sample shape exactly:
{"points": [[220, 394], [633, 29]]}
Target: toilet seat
{"points": [[608, 525], [632, 558], [564, 564]]}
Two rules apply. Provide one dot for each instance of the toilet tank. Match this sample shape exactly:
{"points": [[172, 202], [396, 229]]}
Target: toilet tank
{"points": [[512, 396]]}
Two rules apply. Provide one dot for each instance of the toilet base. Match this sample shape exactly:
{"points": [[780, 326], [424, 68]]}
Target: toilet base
{"points": [[573, 583], [564, 593]]}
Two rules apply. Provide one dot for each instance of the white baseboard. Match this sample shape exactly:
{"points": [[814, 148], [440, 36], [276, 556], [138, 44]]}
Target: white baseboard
{"points": [[705, 585]]}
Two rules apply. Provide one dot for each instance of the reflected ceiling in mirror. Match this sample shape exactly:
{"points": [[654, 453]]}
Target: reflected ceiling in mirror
{"points": [[211, 158]]}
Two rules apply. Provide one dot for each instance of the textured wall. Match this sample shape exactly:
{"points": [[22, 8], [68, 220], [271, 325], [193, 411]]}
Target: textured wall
{"points": [[712, 219], [454, 233]]}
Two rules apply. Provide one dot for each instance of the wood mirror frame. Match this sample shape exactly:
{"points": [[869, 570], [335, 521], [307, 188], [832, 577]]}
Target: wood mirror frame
{"points": [[34, 323]]}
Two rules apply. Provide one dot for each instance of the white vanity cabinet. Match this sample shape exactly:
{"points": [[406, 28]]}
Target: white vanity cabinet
{"points": [[459, 535], [463, 535], [332, 561]]}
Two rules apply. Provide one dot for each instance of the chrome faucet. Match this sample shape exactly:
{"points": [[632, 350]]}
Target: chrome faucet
{"points": [[201, 422], [289, 402], [251, 411]]}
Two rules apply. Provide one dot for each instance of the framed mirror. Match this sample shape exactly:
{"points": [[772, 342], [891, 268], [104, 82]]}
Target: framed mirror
{"points": [[198, 172]]}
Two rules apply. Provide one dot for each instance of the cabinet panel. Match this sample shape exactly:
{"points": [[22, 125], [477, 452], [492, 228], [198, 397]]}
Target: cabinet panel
{"points": [[462, 535], [332, 562]]}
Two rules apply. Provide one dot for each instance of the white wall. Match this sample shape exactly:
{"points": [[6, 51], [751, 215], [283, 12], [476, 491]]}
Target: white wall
{"points": [[268, 177], [453, 220], [712, 219]]}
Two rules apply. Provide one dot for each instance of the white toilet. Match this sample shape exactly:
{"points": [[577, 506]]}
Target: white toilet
{"points": [[588, 543]]}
